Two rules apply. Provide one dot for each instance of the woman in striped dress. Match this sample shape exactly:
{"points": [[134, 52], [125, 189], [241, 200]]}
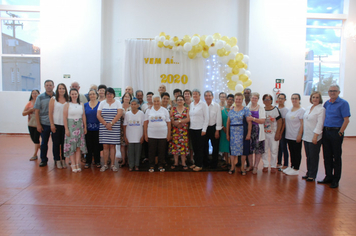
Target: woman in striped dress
{"points": [[109, 113]]}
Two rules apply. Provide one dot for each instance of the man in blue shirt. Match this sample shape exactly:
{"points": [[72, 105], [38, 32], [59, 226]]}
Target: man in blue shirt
{"points": [[42, 118], [337, 114]]}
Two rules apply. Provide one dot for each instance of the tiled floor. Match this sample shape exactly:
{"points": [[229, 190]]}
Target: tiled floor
{"points": [[49, 201]]}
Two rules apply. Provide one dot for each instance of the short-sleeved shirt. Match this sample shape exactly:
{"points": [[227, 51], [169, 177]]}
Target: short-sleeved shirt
{"points": [[271, 120], [157, 123], [42, 104], [134, 126], [335, 112], [293, 123]]}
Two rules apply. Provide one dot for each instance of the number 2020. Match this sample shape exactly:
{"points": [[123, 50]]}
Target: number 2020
{"points": [[174, 79]]}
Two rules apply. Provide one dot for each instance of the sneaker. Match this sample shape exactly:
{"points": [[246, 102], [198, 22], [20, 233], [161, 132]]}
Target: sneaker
{"points": [[64, 165], [293, 172], [161, 169], [113, 168], [33, 158], [43, 164], [286, 169], [104, 168], [151, 170], [59, 164]]}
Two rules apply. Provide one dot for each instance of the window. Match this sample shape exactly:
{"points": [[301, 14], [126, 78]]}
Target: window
{"points": [[324, 47], [20, 45]]}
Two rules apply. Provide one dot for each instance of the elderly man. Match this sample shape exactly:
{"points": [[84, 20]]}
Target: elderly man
{"points": [[129, 90], [42, 118], [247, 96], [162, 89], [82, 97], [139, 97], [337, 113], [213, 130]]}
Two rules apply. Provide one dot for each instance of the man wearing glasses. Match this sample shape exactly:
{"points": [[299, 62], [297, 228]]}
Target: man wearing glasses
{"points": [[337, 113]]}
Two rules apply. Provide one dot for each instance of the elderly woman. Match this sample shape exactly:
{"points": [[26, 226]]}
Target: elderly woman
{"points": [[92, 136], [179, 143], [32, 124], [109, 113], [199, 119], [235, 132], [157, 129], [75, 128], [55, 113], [165, 100], [273, 125], [313, 122], [257, 142], [224, 145], [126, 106], [294, 133], [102, 91]]}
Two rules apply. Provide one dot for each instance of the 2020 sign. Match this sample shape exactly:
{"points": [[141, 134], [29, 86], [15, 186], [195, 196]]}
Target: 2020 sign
{"points": [[174, 79]]}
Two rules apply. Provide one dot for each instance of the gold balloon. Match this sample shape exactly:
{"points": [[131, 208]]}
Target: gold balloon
{"points": [[170, 47], [227, 53], [228, 76], [198, 48], [233, 41], [175, 39], [177, 43], [160, 44], [205, 48], [240, 64], [182, 43], [245, 66], [217, 36], [186, 38], [202, 38], [231, 85], [235, 70], [225, 38], [239, 57], [243, 78], [162, 34], [192, 54], [205, 54], [168, 37], [202, 42], [231, 63], [247, 83]]}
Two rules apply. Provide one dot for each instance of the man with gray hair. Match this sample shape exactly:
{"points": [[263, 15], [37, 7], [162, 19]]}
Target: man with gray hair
{"points": [[337, 114], [82, 97]]}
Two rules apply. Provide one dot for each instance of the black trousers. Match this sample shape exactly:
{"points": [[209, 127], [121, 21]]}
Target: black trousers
{"points": [[157, 145], [295, 150], [198, 146], [58, 142], [332, 148], [93, 146], [312, 152], [210, 135]]}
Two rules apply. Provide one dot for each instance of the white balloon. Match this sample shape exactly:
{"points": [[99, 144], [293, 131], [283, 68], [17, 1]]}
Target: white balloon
{"points": [[180, 48], [157, 38], [162, 38], [248, 73], [239, 88], [195, 40], [239, 82], [235, 78], [228, 69], [246, 59], [225, 60], [212, 50], [227, 47], [171, 43], [219, 44], [224, 43], [209, 40], [188, 47], [242, 71], [166, 43], [235, 49]]}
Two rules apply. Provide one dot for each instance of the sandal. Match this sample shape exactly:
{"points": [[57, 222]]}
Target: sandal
{"points": [[114, 168], [130, 169], [122, 165], [136, 168], [243, 172], [174, 166], [231, 171], [185, 167], [254, 171], [86, 166], [98, 165]]}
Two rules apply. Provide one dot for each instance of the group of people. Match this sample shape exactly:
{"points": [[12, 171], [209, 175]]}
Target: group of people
{"points": [[237, 126]]}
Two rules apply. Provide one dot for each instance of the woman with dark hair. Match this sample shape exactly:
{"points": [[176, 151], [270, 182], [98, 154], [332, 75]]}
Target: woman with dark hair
{"points": [[282, 149], [101, 91], [165, 100], [92, 136], [313, 123], [125, 100], [224, 145], [32, 124], [75, 128], [55, 113], [109, 113], [179, 144], [294, 133]]}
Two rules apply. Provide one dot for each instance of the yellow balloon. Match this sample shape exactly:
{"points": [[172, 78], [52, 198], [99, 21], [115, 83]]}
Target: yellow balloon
{"points": [[227, 53], [221, 52], [192, 54], [233, 41], [225, 38], [239, 57], [231, 63], [205, 48], [202, 42], [197, 35], [243, 78], [170, 47], [177, 43], [202, 38], [247, 83], [235, 70], [228, 76], [182, 43], [240, 64], [245, 66], [168, 37], [186, 38], [175, 39], [160, 44], [198, 48], [162, 34], [231, 85], [217, 36], [205, 54]]}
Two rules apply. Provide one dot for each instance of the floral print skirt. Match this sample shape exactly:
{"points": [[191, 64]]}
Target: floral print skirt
{"points": [[76, 138]]}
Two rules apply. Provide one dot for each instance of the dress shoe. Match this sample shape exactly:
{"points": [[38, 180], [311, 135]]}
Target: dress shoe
{"points": [[324, 181], [309, 179], [334, 185], [304, 177], [43, 164]]}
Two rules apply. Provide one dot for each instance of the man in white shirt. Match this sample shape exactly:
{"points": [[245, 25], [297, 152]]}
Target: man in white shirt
{"points": [[213, 130]]}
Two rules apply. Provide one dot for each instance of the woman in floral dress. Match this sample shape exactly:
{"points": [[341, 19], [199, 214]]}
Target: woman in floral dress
{"points": [[179, 143]]}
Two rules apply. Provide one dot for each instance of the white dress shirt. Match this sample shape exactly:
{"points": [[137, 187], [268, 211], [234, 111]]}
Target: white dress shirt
{"points": [[313, 122], [215, 115], [199, 116]]}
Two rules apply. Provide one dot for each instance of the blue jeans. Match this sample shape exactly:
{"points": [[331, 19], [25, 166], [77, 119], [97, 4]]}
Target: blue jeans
{"points": [[283, 150], [46, 132]]}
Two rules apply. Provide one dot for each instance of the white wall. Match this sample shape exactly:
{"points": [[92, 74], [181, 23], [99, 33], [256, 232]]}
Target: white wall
{"points": [[70, 44]]}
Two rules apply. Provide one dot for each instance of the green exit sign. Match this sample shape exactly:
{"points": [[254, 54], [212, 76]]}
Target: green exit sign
{"points": [[279, 81], [117, 92]]}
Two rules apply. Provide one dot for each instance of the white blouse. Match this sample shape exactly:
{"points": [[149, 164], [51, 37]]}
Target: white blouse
{"points": [[313, 122], [199, 116]]}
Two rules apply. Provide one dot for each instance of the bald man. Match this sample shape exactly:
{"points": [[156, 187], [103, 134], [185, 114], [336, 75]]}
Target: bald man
{"points": [[82, 97]]}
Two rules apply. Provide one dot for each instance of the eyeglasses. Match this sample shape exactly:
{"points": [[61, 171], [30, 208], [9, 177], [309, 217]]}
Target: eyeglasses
{"points": [[266, 99], [180, 100], [295, 98], [333, 91]]}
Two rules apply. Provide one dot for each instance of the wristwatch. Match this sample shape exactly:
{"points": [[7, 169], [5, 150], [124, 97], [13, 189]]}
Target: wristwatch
{"points": [[341, 133]]}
